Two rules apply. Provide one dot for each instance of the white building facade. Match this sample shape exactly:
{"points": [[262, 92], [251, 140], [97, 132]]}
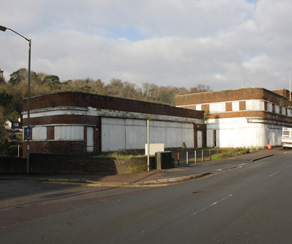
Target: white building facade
{"points": [[251, 117]]}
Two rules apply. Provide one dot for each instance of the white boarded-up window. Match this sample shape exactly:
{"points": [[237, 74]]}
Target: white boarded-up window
{"points": [[69, 133], [255, 105], [283, 110], [270, 107], [124, 134], [199, 107], [277, 109], [217, 108], [39, 133]]}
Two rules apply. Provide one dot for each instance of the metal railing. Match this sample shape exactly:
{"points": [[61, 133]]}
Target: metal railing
{"points": [[188, 156]]}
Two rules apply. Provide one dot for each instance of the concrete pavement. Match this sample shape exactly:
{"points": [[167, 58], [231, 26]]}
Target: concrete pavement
{"points": [[181, 172]]}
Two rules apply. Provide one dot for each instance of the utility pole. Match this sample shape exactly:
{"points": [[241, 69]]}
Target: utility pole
{"points": [[148, 142]]}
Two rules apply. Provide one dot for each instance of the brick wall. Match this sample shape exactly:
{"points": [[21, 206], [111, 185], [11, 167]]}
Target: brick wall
{"points": [[78, 164], [12, 165], [262, 114], [283, 92], [64, 119], [234, 95], [59, 147], [206, 107]]}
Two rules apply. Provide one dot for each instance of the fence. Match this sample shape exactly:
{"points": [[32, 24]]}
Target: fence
{"points": [[196, 156]]}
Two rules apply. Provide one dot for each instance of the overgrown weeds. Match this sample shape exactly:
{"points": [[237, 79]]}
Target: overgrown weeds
{"points": [[228, 154]]}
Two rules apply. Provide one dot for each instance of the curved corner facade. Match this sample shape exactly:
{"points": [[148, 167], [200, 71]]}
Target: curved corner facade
{"points": [[73, 122]]}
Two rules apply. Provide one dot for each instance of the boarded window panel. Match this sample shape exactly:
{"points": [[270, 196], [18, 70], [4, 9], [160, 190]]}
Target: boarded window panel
{"points": [[113, 134], [270, 107], [39, 133], [255, 105], [217, 108], [121, 134], [199, 139], [199, 107], [69, 133], [277, 109], [90, 141]]}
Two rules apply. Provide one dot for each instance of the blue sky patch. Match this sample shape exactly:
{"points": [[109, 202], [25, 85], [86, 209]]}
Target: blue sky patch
{"points": [[128, 33]]}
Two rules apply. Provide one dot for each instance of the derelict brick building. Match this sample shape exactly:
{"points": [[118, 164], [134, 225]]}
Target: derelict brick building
{"points": [[75, 122]]}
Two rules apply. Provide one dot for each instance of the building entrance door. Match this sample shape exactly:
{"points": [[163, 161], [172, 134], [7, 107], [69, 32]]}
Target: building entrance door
{"points": [[199, 138], [90, 141]]}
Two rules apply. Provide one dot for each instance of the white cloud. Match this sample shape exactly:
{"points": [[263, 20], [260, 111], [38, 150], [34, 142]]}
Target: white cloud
{"points": [[220, 43]]}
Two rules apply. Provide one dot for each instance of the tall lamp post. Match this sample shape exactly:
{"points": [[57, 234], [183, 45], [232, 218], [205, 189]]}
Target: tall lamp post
{"points": [[28, 132]]}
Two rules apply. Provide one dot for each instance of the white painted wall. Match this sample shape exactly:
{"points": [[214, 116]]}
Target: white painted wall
{"points": [[237, 132], [124, 134], [198, 107], [235, 106]]}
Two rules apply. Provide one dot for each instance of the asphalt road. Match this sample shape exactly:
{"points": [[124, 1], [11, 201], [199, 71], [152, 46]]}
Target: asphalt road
{"points": [[251, 204]]}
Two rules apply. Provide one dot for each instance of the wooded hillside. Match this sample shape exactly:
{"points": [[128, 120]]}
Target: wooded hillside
{"points": [[13, 91]]}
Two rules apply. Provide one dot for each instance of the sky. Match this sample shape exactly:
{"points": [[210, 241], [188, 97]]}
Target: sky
{"points": [[224, 44]]}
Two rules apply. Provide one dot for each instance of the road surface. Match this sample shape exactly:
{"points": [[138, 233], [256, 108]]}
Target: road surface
{"points": [[251, 204]]}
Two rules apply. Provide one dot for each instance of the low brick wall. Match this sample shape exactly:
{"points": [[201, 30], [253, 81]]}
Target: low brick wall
{"points": [[74, 164], [12, 165]]}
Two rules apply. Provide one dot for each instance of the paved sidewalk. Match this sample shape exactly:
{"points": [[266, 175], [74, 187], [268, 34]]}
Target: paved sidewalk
{"points": [[181, 172]]}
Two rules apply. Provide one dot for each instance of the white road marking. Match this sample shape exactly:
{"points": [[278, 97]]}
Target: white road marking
{"points": [[274, 173], [213, 204], [268, 177]]}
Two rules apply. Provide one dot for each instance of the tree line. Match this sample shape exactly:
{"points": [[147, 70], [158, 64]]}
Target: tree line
{"points": [[13, 91]]}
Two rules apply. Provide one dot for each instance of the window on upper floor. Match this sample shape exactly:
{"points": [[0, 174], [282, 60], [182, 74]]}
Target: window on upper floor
{"points": [[228, 106], [242, 105]]}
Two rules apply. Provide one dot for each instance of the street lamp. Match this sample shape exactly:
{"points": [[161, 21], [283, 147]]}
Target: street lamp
{"points": [[28, 132]]}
